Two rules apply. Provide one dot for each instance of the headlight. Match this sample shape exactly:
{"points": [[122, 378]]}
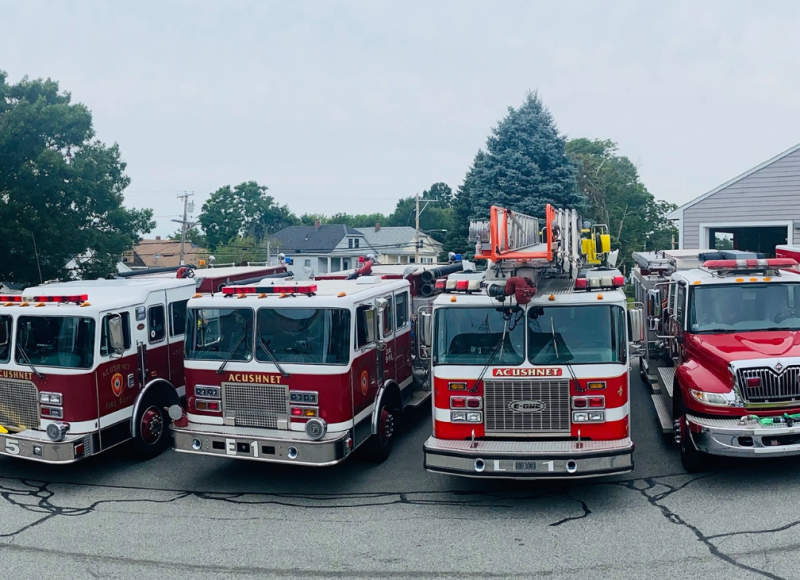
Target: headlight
{"points": [[715, 399], [316, 429]]}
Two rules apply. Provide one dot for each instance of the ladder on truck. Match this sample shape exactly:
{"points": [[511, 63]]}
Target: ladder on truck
{"points": [[510, 235]]}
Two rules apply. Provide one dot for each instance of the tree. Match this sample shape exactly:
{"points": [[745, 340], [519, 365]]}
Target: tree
{"points": [[525, 165], [441, 192], [436, 218], [193, 235], [616, 197], [243, 211], [61, 190]]}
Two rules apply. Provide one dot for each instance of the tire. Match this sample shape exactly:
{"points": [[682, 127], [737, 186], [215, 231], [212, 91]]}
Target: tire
{"points": [[378, 447], [692, 459], [152, 427]]}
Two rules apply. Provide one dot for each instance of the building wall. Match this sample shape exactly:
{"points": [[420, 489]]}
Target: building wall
{"points": [[769, 196]]}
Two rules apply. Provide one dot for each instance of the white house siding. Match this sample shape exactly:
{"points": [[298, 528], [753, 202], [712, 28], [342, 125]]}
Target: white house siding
{"points": [[770, 195]]}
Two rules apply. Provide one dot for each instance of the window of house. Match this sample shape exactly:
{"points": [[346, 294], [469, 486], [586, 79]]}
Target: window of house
{"points": [[401, 309], [349, 242], [355, 243], [156, 323], [426, 260], [105, 333], [307, 263], [177, 318]]}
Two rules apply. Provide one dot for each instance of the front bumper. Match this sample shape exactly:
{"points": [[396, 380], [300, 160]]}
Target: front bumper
{"points": [[731, 438], [529, 459], [270, 445], [37, 446]]}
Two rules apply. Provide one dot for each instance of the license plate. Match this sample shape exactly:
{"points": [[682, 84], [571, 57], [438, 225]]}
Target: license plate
{"points": [[524, 466]]}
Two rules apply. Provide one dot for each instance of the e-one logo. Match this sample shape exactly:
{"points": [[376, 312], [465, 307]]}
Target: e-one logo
{"points": [[527, 406]]}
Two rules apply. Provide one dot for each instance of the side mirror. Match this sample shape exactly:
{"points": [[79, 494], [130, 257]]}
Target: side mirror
{"points": [[115, 334], [636, 325], [426, 328], [381, 304]]}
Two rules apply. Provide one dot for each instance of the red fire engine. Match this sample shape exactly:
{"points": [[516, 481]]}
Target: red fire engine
{"points": [[298, 371], [723, 353], [529, 360], [85, 366]]}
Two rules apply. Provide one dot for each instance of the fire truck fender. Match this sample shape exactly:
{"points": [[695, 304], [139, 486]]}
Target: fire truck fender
{"points": [[159, 387], [691, 375], [389, 392]]}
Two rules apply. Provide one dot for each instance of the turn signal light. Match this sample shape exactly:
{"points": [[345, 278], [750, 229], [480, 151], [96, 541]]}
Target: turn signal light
{"points": [[207, 406], [580, 402], [596, 385], [304, 411], [457, 386]]}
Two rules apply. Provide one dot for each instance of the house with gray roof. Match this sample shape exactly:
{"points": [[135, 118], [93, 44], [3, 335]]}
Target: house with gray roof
{"points": [[754, 211], [323, 248], [395, 245]]}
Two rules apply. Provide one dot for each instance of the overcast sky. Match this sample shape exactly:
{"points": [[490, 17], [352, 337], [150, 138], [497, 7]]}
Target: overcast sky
{"points": [[348, 106]]}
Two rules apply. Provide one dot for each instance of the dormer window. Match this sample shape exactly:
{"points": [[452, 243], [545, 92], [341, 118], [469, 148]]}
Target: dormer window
{"points": [[352, 242]]}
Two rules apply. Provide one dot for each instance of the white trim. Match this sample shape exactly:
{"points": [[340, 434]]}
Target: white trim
{"points": [[703, 229], [203, 419], [441, 415], [75, 427], [675, 215]]}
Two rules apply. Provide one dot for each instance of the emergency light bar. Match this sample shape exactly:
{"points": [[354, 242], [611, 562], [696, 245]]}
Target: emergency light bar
{"points": [[294, 289], [751, 264], [597, 282], [77, 298]]}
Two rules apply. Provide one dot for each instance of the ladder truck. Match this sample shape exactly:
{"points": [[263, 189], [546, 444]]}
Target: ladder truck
{"points": [[529, 359], [722, 354]]}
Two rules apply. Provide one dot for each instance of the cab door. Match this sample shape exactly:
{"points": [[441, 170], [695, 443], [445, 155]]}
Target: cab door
{"points": [[117, 377], [157, 345], [176, 316], [387, 335], [402, 337], [365, 372]]}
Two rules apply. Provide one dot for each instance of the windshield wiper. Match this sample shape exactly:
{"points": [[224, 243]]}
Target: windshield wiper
{"points": [[28, 362], [233, 353], [555, 340], [268, 350]]}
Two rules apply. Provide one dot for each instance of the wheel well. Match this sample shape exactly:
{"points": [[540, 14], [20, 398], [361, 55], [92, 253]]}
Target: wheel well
{"points": [[390, 393], [158, 388]]}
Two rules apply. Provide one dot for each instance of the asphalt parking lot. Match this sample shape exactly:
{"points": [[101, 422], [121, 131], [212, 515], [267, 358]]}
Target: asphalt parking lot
{"points": [[187, 517]]}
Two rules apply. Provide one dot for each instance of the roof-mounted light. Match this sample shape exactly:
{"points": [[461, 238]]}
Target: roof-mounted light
{"points": [[11, 298], [752, 264], [282, 289], [599, 282], [76, 298]]}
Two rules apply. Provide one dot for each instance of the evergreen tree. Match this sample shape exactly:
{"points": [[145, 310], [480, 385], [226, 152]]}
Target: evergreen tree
{"points": [[525, 165]]}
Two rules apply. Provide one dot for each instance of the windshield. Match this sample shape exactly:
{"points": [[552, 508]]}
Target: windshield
{"points": [[576, 335], [468, 336], [55, 341], [743, 307], [219, 334], [304, 335], [5, 339]]}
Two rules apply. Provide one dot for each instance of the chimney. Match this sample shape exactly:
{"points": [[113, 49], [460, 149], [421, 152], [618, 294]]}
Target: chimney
{"points": [[158, 238], [316, 224], [377, 226]]}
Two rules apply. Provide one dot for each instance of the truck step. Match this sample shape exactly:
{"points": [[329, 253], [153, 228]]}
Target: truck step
{"points": [[667, 376], [418, 398], [664, 413]]}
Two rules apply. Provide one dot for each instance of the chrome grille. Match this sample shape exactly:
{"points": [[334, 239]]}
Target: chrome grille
{"points": [[19, 404], [553, 418], [254, 405], [775, 386]]}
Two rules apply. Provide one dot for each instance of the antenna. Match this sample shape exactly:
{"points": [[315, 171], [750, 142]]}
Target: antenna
{"points": [[36, 253]]}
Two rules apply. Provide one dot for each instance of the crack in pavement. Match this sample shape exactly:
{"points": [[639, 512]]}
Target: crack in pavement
{"points": [[654, 489], [673, 517]]}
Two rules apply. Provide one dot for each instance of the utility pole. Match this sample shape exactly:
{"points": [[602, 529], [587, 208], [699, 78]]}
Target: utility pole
{"points": [[416, 237], [184, 222]]}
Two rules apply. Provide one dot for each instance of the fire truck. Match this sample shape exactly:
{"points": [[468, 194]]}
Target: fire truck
{"points": [[722, 353], [212, 279], [88, 365], [300, 372], [529, 359]]}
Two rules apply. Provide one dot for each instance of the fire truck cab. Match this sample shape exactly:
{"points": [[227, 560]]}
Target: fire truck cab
{"points": [[529, 360], [85, 366], [299, 372], [723, 354]]}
